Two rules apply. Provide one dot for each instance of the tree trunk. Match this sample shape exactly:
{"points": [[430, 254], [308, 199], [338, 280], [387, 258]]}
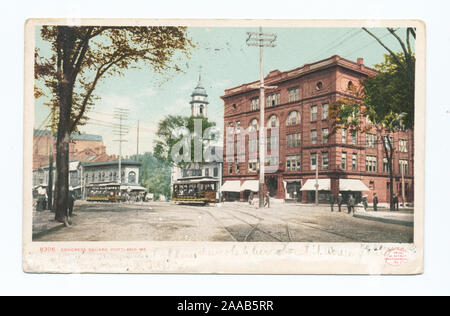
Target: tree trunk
{"points": [[66, 42]]}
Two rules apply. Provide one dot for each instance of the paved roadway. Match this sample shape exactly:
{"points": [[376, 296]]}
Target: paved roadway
{"points": [[160, 221]]}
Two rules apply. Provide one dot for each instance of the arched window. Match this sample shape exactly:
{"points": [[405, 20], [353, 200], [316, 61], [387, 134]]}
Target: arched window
{"points": [[293, 118], [132, 177], [273, 121], [253, 125]]}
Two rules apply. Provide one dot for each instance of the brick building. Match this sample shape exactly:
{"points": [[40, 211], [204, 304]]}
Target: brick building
{"points": [[82, 147], [298, 106]]}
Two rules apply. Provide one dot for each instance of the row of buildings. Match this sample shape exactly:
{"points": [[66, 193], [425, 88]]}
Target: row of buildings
{"points": [[89, 166]]}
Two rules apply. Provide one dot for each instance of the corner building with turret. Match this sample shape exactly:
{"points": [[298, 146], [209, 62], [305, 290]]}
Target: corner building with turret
{"points": [[297, 103]]}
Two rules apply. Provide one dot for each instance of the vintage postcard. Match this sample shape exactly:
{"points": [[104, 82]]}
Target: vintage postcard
{"points": [[224, 146]]}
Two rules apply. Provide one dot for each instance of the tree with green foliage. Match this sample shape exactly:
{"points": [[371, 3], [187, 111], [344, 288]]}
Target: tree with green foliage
{"points": [[82, 56], [386, 99], [174, 130], [155, 175]]}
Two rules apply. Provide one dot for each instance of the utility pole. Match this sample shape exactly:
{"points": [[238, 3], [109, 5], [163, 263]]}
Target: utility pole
{"points": [[261, 40], [120, 114]]}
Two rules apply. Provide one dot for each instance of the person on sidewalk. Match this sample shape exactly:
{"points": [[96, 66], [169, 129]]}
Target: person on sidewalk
{"points": [[332, 202], [340, 201], [267, 200], [364, 202], [250, 198], [351, 204], [71, 203], [395, 202], [375, 202]]}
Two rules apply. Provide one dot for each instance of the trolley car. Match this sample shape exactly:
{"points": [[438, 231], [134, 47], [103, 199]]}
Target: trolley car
{"points": [[103, 192], [195, 190]]}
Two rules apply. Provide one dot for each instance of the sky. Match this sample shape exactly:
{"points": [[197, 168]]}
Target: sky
{"points": [[224, 61]]}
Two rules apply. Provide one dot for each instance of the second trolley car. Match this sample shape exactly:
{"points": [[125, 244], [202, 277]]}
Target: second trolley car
{"points": [[195, 190], [103, 192]]}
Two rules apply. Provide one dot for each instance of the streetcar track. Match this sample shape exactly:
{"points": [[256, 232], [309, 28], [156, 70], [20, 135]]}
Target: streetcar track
{"points": [[303, 224], [254, 227]]}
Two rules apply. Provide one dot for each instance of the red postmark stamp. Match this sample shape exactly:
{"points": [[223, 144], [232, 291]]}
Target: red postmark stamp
{"points": [[396, 256]]}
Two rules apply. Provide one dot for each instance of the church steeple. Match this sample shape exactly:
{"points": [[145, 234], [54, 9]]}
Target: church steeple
{"points": [[199, 99]]}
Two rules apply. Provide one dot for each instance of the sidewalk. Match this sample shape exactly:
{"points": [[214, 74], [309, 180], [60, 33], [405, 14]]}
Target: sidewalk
{"points": [[403, 217], [44, 221]]}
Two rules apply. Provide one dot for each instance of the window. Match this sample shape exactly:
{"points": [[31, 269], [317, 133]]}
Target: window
{"points": [[324, 111], [371, 140], [293, 163], [319, 85], [294, 94], [216, 172], [252, 165], [237, 169], [355, 138], [293, 140], [201, 109], [238, 126], [313, 161], [271, 142], [371, 163], [344, 135], [403, 166], [388, 140], [324, 135], [207, 172], [325, 160], [314, 113], [344, 161], [354, 162], [273, 121], [293, 118], [403, 145], [314, 136], [230, 168], [253, 125], [132, 177], [253, 144], [254, 105], [272, 100], [385, 165], [230, 125]]}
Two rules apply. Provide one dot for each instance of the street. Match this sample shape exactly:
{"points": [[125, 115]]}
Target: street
{"points": [[162, 221]]}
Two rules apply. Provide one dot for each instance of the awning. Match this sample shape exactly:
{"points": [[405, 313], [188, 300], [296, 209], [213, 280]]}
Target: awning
{"points": [[352, 185], [250, 185], [310, 185], [231, 186]]}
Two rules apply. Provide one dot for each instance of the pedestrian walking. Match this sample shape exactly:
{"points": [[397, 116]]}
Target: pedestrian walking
{"points": [[250, 198], [267, 202], [332, 202], [351, 204], [71, 203], [340, 201], [395, 202], [375, 202], [364, 202]]}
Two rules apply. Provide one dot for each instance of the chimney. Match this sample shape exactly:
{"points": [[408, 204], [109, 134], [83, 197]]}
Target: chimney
{"points": [[360, 61]]}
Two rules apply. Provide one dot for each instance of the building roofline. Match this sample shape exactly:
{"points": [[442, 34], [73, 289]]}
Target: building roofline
{"points": [[276, 76], [111, 162]]}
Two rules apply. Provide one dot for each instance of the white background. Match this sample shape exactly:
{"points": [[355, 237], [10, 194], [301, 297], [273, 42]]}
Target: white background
{"points": [[436, 279]]}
